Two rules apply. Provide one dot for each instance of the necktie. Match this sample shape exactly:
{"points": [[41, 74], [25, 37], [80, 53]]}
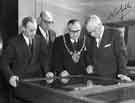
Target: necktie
{"points": [[47, 37], [75, 44], [30, 45]]}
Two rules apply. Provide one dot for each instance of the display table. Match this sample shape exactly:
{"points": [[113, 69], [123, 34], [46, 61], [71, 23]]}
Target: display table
{"points": [[75, 89]]}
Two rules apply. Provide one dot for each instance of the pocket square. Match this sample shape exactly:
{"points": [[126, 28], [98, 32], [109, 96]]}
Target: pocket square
{"points": [[107, 45]]}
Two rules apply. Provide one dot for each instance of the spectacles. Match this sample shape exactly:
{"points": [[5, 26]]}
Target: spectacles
{"points": [[75, 31], [48, 22]]}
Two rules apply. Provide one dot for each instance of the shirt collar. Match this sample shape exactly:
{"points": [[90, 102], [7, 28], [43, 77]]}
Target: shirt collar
{"points": [[43, 32], [26, 39]]}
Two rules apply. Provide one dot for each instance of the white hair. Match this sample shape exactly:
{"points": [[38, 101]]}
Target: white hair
{"points": [[95, 19]]}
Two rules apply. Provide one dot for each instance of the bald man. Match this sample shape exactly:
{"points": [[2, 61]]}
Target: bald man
{"points": [[69, 51], [44, 30], [109, 50]]}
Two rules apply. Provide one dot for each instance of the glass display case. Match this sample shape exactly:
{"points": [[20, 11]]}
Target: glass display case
{"points": [[75, 89]]}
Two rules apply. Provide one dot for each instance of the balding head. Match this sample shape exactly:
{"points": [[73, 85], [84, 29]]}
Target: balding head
{"points": [[92, 23], [46, 20], [47, 16]]}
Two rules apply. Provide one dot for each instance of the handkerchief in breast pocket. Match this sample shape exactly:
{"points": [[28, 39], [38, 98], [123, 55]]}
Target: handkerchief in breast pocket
{"points": [[107, 45]]}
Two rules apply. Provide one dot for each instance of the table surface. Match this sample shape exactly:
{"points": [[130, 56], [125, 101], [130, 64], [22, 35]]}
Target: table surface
{"points": [[89, 87]]}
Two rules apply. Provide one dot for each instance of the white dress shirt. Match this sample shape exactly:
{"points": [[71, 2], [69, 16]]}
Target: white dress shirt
{"points": [[26, 40], [98, 40]]}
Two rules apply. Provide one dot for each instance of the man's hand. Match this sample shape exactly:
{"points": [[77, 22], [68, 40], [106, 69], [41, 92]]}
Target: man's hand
{"points": [[65, 80], [13, 80], [124, 77], [89, 69], [64, 73], [49, 75]]}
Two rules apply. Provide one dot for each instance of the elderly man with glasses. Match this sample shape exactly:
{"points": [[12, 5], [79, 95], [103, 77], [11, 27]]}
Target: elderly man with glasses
{"points": [[69, 51]]}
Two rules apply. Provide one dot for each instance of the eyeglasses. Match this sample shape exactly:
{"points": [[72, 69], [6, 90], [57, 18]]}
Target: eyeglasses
{"points": [[48, 22], [75, 31]]}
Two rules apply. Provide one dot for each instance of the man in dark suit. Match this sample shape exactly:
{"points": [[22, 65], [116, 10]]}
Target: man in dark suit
{"points": [[24, 57], [69, 51], [109, 50], [47, 34]]}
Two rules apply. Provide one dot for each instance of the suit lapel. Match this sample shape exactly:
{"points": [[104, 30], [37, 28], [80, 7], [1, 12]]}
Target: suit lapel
{"points": [[22, 48], [34, 51], [23, 45], [68, 42], [104, 39], [41, 35], [34, 47], [38, 31]]}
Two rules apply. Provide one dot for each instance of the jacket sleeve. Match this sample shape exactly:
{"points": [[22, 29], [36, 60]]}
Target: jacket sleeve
{"points": [[120, 52], [43, 55], [57, 56], [7, 58]]}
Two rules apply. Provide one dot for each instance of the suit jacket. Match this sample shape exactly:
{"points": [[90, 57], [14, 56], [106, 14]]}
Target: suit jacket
{"points": [[17, 59], [47, 46], [110, 58], [62, 60]]}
